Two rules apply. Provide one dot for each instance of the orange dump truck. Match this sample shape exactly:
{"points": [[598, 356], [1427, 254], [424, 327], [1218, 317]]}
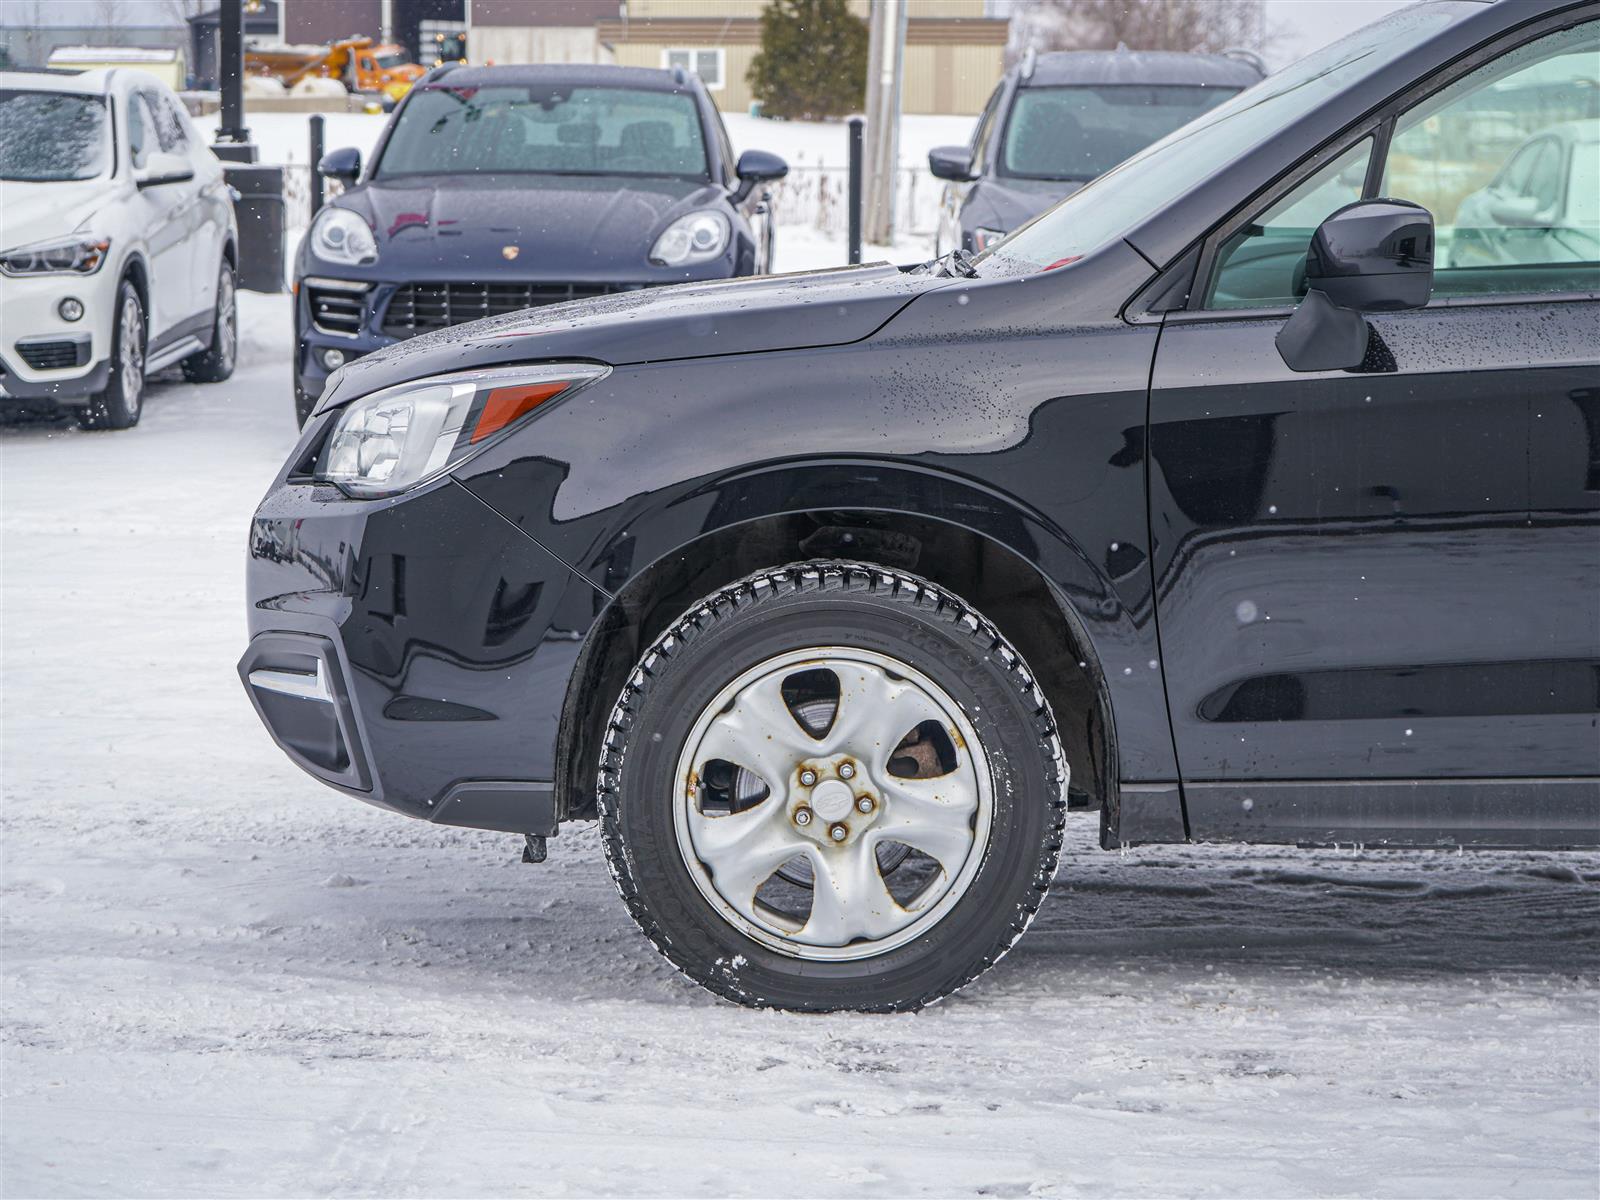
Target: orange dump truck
{"points": [[355, 62]]}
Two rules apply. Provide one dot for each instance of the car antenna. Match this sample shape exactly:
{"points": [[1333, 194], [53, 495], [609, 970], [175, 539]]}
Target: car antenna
{"points": [[1030, 59], [679, 78]]}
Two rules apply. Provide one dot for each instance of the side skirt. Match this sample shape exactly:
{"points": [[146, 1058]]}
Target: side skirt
{"points": [[1536, 813]]}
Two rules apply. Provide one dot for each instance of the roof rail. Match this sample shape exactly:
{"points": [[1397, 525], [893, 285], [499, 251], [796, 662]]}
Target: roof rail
{"points": [[438, 72], [1030, 59], [1249, 57]]}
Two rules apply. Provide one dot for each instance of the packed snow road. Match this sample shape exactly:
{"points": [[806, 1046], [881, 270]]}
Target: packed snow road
{"points": [[222, 979]]}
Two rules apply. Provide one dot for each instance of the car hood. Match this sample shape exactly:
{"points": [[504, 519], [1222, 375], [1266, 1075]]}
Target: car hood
{"points": [[1006, 204], [737, 316], [521, 227], [33, 212]]}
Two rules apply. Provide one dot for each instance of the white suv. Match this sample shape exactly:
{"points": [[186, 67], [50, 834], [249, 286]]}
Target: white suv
{"points": [[117, 243]]}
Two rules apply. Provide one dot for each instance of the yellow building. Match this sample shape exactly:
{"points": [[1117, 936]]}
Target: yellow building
{"points": [[953, 49]]}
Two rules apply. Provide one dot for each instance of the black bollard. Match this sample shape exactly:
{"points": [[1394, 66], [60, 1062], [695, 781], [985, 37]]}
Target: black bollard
{"points": [[317, 184], [856, 126]]}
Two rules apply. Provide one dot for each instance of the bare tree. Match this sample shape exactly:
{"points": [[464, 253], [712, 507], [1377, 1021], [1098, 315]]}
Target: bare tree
{"points": [[1205, 26], [181, 10], [106, 18]]}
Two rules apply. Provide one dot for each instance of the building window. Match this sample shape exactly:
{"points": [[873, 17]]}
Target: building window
{"points": [[709, 64]]}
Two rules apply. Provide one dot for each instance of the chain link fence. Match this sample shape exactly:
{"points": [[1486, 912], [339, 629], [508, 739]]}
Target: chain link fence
{"points": [[818, 196]]}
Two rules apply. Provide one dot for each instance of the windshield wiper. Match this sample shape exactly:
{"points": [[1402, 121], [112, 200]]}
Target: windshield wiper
{"points": [[959, 263]]}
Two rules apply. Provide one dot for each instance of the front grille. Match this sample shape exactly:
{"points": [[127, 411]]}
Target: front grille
{"points": [[54, 356], [336, 309], [419, 307]]}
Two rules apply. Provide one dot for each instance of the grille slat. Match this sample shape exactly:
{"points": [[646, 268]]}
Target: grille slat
{"points": [[336, 311], [53, 356], [418, 307]]}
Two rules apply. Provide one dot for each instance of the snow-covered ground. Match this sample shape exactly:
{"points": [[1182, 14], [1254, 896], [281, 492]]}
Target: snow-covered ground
{"points": [[218, 978]]}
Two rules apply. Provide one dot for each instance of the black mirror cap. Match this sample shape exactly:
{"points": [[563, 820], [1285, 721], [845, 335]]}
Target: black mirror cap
{"points": [[343, 164], [1373, 256], [758, 166], [951, 162]]}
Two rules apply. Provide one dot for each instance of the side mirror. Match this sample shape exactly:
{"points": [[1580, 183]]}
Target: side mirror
{"points": [[757, 166], [951, 162], [1517, 212], [162, 168], [1370, 256], [343, 164]]}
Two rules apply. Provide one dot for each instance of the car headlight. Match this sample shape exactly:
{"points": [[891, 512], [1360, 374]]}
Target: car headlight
{"points": [[80, 255], [983, 238], [395, 439], [694, 238], [341, 236]]}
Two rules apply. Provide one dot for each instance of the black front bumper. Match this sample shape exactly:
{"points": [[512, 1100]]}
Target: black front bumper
{"points": [[414, 652]]}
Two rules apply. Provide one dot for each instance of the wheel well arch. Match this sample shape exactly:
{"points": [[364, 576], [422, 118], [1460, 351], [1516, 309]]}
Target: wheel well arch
{"points": [[230, 253], [994, 579], [134, 271]]}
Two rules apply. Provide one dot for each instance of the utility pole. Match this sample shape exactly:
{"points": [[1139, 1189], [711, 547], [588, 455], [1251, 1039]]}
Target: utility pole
{"points": [[885, 66], [233, 139]]}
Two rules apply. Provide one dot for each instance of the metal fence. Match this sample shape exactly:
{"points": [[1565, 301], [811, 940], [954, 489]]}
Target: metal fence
{"points": [[815, 196]]}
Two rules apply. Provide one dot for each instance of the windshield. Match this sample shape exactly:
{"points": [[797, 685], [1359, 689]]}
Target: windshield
{"points": [[1079, 132], [50, 137], [1118, 201], [391, 59], [546, 131]]}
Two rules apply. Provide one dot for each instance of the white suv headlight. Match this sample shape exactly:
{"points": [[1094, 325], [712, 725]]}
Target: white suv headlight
{"points": [[78, 254], [694, 238], [341, 236], [395, 439]]}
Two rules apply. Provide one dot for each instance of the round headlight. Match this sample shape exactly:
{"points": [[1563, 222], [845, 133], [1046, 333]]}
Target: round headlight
{"points": [[341, 236], [694, 238]]}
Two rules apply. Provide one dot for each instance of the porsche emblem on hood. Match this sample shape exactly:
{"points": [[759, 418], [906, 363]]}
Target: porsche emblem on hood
{"points": [[510, 252]]}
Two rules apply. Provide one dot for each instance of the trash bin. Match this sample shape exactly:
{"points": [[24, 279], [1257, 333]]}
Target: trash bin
{"points": [[260, 212]]}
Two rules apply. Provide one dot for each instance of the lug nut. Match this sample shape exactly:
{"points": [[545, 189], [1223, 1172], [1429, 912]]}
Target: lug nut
{"points": [[838, 833], [864, 804], [808, 777], [847, 770], [802, 816]]}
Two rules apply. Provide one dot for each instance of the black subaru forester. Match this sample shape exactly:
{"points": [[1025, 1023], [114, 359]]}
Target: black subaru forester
{"points": [[1207, 501]]}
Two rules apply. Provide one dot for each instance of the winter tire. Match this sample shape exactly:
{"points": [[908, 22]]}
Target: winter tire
{"points": [[119, 403], [842, 723], [215, 363]]}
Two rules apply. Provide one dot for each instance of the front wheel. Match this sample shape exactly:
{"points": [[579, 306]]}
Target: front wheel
{"points": [[119, 404], [832, 786], [215, 363]]}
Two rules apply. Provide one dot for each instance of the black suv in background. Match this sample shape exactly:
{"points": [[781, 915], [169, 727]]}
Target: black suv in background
{"points": [[1216, 502], [494, 189], [1058, 120]]}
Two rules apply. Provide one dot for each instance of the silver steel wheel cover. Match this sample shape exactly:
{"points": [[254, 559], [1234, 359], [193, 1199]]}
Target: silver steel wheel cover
{"points": [[853, 915], [227, 319], [132, 352]]}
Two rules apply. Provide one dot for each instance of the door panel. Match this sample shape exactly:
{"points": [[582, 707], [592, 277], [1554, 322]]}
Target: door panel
{"points": [[1351, 582]]}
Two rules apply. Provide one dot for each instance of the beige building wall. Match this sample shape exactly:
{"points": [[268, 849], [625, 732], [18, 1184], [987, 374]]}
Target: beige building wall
{"points": [[954, 53], [733, 96], [647, 10], [508, 44]]}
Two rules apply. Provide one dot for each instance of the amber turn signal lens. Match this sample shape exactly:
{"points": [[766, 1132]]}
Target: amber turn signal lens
{"points": [[507, 404]]}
